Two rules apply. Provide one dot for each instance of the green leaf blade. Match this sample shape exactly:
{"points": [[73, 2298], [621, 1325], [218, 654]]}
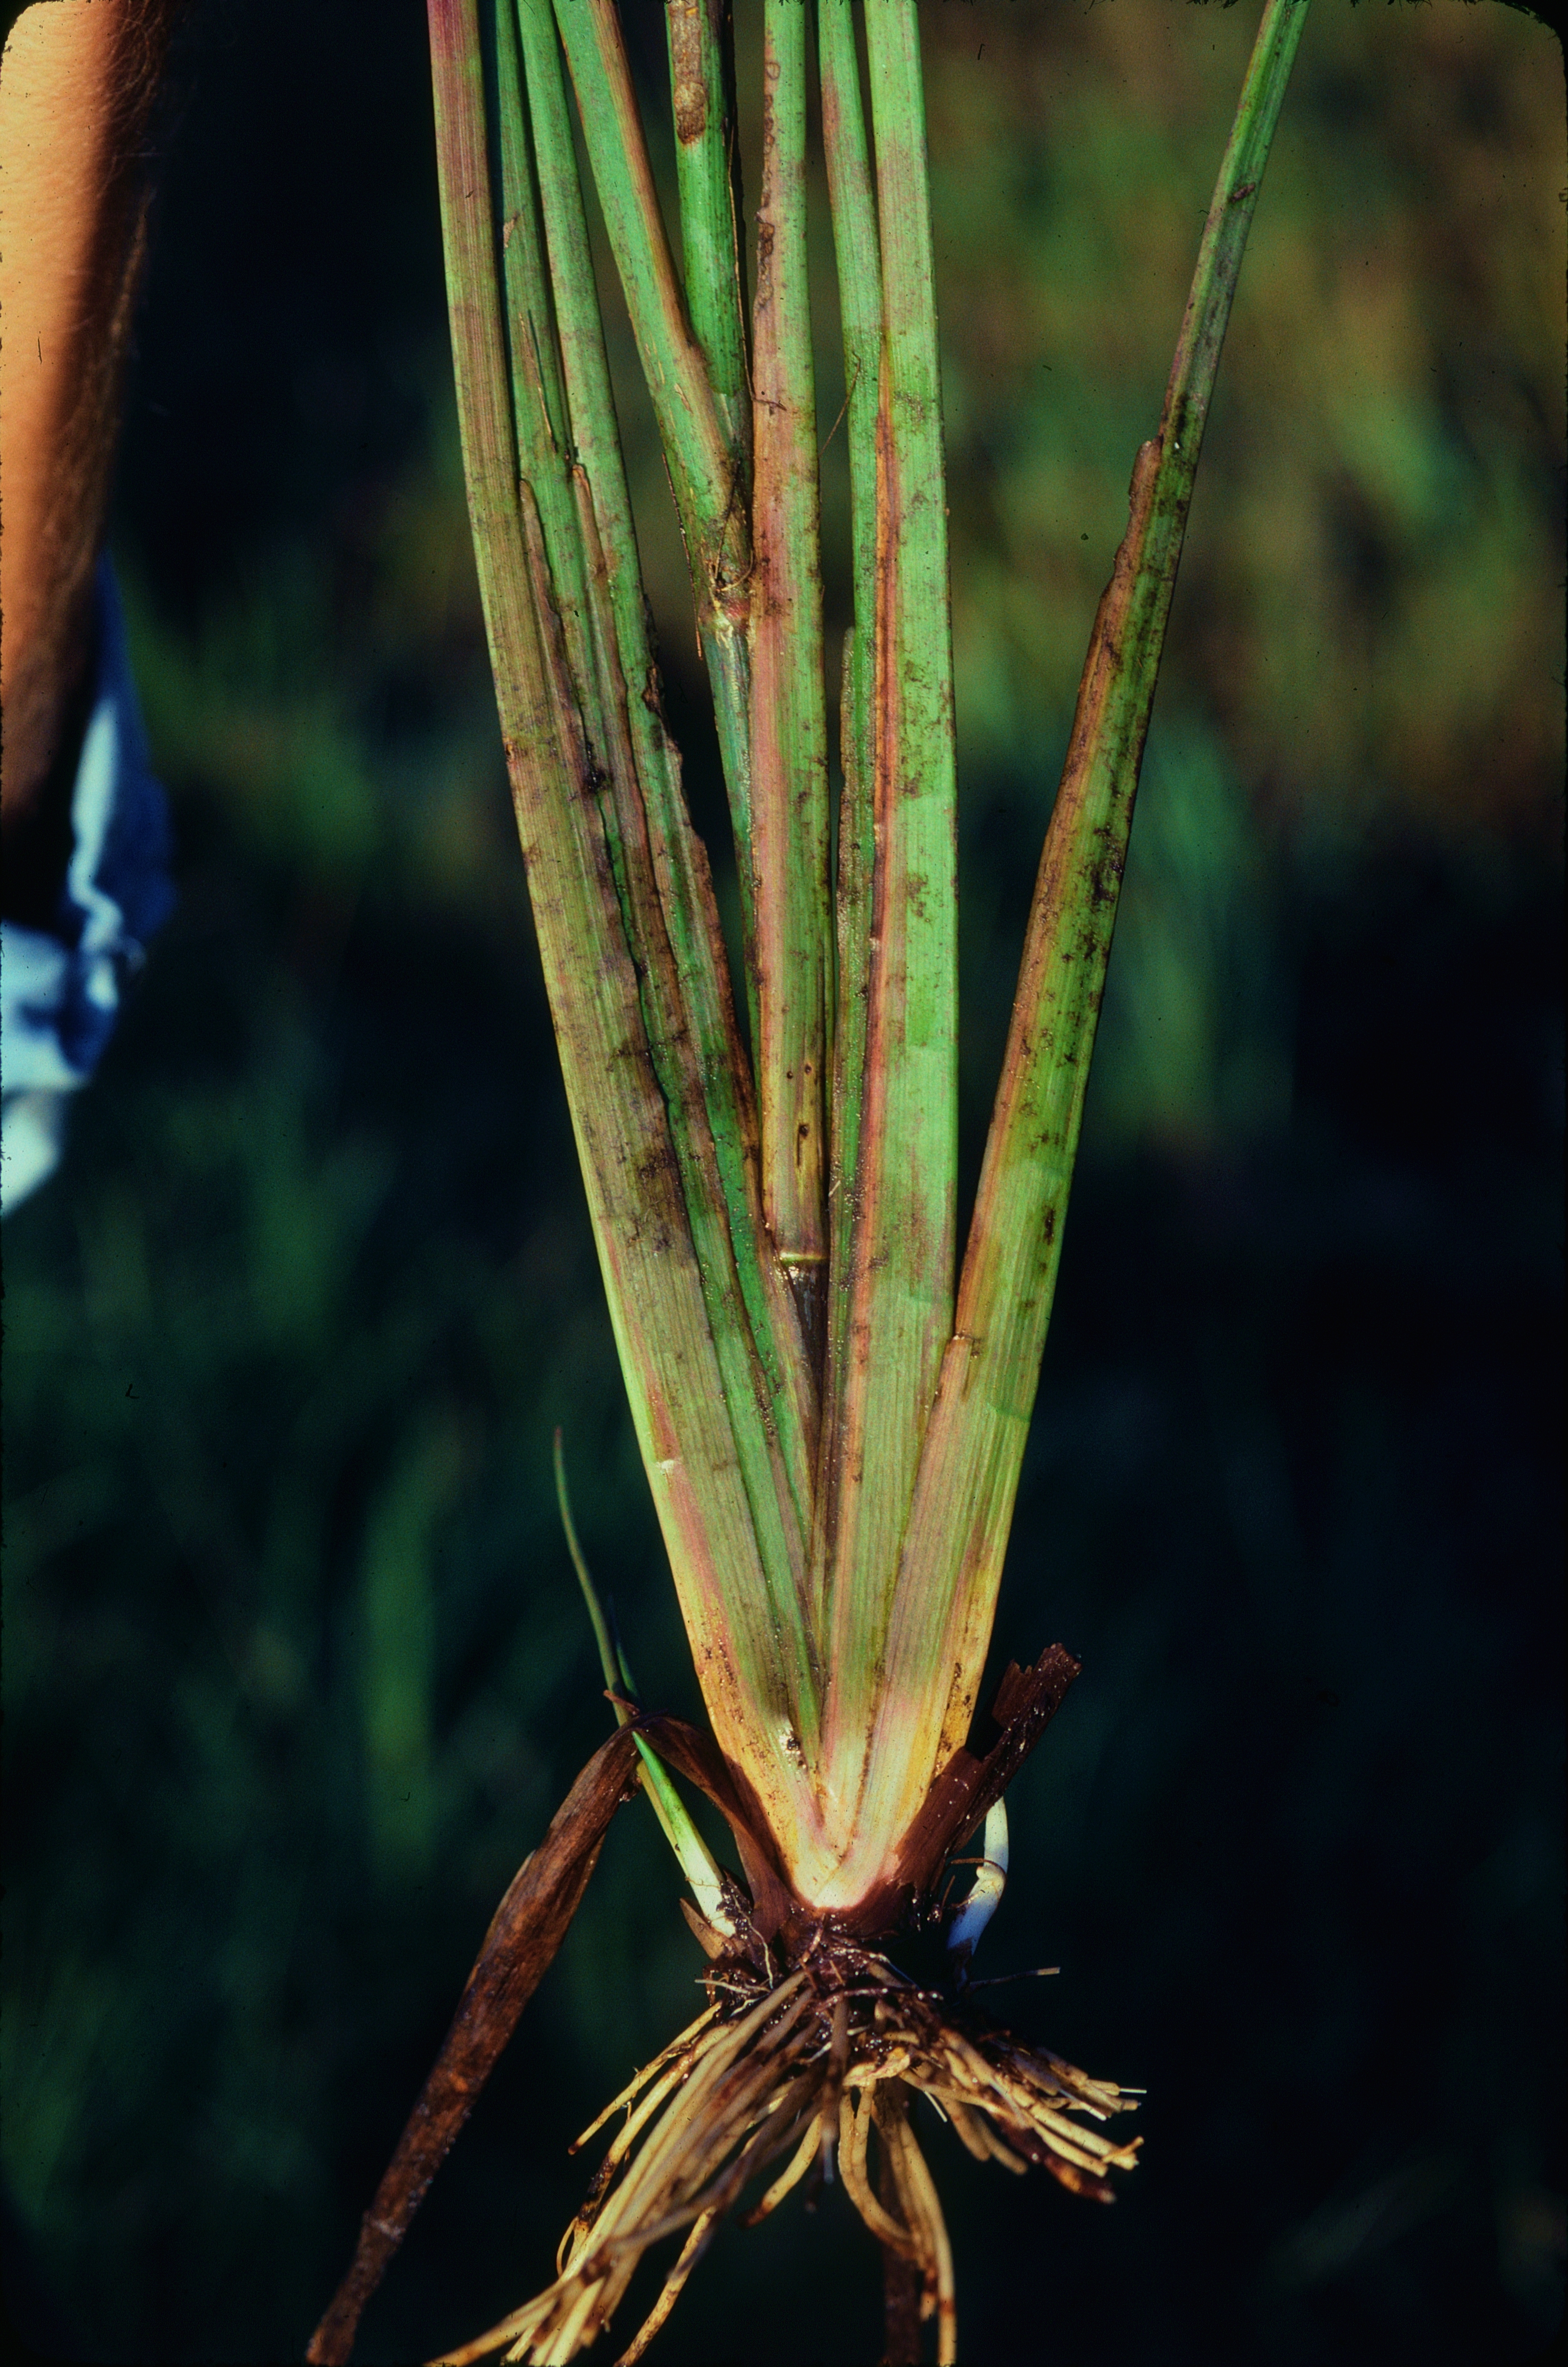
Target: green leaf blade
{"points": [[748, 1629], [853, 202], [702, 474], [702, 96], [973, 1450], [704, 1062], [900, 1287], [788, 733]]}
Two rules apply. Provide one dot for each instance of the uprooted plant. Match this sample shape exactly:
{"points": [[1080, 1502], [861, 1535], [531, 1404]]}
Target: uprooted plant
{"points": [[832, 1433]]}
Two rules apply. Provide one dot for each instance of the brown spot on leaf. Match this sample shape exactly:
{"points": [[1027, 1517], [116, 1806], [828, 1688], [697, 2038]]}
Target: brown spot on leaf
{"points": [[686, 86]]}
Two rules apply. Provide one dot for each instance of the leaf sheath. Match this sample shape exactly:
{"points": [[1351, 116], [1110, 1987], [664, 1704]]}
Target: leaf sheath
{"points": [[709, 495], [852, 198], [702, 96], [788, 736], [901, 1280], [748, 1628], [969, 1474]]}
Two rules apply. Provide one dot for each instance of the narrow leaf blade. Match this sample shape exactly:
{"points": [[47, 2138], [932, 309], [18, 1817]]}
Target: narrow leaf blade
{"points": [[901, 1282], [973, 1450], [702, 93], [853, 201], [789, 735], [709, 496], [746, 1617]]}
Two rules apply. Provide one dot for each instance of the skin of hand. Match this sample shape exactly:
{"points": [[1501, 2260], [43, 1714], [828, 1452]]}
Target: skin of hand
{"points": [[77, 83]]}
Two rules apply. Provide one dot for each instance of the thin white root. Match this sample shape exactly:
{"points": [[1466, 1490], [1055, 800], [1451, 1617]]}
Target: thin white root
{"points": [[985, 1897]]}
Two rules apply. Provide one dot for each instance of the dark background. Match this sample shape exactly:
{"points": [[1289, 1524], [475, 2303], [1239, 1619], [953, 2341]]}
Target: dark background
{"points": [[295, 1669]]}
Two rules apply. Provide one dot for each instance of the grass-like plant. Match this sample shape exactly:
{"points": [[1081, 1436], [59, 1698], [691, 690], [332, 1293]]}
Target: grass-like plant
{"points": [[832, 1421]]}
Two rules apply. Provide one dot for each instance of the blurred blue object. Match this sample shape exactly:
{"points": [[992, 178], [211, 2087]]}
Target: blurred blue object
{"points": [[61, 990]]}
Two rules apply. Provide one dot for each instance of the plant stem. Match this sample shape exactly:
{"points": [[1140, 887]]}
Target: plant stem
{"points": [[789, 733], [668, 915], [759, 1678], [702, 91], [783, 1379], [975, 1447], [900, 1279], [708, 496], [767, 1381], [852, 196]]}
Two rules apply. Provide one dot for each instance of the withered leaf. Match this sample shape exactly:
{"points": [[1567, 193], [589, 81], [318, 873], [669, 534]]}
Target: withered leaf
{"points": [[525, 1933]]}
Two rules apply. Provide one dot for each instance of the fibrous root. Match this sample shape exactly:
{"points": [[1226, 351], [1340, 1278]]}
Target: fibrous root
{"points": [[807, 2070]]}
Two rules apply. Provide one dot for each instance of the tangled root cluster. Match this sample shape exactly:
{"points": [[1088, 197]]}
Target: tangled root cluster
{"points": [[803, 2069]]}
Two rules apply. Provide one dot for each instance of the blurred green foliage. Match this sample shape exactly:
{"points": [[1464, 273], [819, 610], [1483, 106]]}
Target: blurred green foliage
{"points": [[295, 1669]]}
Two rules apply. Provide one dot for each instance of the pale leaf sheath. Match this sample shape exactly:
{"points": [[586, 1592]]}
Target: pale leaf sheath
{"points": [[852, 198], [964, 1502], [749, 1643], [702, 98], [710, 494], [781, 1527], [900, 1282], [680, 860], [788, 736]]}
